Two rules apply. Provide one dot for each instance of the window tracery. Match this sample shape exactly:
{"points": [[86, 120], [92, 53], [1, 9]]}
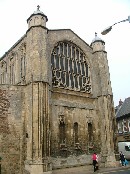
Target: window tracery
{"points": [[69, 68]]}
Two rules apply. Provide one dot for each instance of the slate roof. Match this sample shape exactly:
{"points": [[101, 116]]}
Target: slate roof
{"points": [[124, 109]]}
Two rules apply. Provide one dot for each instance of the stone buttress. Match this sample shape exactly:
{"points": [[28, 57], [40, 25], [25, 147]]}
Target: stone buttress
{"points": [[37, 96], [105, 104]]}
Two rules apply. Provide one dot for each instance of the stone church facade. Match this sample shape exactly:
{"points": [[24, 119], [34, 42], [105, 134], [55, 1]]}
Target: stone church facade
{"points": [[56, 101]]}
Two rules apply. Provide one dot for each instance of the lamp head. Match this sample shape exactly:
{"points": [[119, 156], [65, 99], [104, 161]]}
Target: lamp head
{"points": [[107, 30]]}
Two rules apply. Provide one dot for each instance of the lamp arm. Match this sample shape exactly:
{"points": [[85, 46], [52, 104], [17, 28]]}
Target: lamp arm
{"points": [[119, 22], [108, 29]]}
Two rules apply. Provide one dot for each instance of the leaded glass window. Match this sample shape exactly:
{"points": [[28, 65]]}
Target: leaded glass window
{"points": [[69, 68]]}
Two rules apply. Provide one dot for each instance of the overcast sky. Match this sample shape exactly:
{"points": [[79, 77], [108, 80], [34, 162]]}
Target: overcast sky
{"points": [[84, 17]]}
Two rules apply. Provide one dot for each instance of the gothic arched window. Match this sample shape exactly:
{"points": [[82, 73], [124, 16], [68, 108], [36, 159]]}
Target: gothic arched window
{"points": [[69, 68]]}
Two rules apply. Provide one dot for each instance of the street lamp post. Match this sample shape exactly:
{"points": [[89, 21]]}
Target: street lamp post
{"points": [[0, 164], [108, 29]]}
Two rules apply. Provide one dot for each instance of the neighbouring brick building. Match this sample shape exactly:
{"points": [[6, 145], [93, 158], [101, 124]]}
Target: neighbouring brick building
{"points": [[56, 101]]}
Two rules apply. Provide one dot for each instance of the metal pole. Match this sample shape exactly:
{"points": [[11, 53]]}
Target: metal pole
{"points": [[0, 167], [0, 164]]}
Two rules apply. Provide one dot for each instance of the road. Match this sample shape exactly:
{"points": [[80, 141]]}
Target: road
{"points": [[89, 170], [122, 171]]}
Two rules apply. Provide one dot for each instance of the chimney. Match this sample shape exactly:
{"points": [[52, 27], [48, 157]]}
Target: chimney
{"points": [[120, 102]]}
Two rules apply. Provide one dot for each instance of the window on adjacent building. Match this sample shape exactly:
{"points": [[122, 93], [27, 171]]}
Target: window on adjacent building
{"points": [[120, 130], [127, 148]]}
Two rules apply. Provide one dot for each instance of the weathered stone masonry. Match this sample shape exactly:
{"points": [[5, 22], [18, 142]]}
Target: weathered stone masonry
{"points": [[11, 129], [56, 101]]}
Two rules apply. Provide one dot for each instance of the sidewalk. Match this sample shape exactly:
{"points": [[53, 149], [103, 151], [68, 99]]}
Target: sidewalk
{"points": [[86, 170]]}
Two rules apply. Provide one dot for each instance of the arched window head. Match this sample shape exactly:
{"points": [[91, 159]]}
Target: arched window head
{"points": [[69, 68]]}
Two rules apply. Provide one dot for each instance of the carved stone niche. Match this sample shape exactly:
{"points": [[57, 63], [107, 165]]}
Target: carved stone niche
{"points": [[61, 118], [77, 146], [89, 119], [3, 64], [22, 49]]}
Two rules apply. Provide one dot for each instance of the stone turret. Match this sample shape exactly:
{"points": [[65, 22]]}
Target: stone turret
{"points": [[37, 18], [105, 102], [37, 62], [97, 44]]}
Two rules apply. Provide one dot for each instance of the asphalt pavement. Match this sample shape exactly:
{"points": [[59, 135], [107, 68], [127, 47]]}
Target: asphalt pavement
{"points": [[88, 169]]}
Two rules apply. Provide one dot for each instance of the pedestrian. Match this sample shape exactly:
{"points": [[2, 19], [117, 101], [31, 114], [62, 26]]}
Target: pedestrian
{"points": [[95, 161], [122, 158]]}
